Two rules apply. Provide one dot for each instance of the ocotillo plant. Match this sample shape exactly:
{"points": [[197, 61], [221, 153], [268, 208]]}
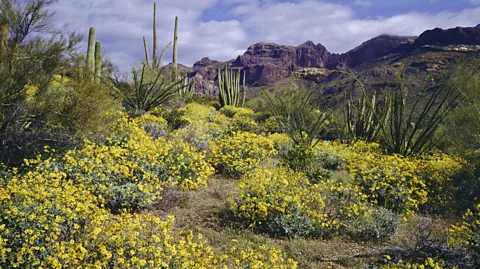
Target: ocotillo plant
{"points": [[175, 37], [229, 88], [145, 46], [414, 132], [154, 62]]}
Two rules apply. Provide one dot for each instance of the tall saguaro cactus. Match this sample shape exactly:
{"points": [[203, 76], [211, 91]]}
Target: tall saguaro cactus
{"points": [[94, 57], [91, 51], [175, 37], [98, 61], [229, 88]]}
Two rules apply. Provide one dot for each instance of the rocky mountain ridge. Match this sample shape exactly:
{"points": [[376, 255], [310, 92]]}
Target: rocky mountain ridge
{"points": [[266, 63]]}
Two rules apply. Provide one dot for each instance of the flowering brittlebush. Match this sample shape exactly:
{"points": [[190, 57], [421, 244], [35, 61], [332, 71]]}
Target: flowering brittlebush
{"points": [[264, 196], [241, 153], [52, 222], [393, 181]]}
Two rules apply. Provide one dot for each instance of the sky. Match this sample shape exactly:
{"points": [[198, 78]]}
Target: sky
{"points": [[223, 29]]}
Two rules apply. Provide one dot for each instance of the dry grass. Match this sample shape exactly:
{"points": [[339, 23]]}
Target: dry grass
{"points": [[204, 211]]}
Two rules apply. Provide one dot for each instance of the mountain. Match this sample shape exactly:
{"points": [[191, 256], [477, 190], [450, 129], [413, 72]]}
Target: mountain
{"points": [[266, 63]]}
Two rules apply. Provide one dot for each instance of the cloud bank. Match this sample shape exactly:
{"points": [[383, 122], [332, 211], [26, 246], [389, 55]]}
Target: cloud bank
{"points": [[121, 25]]}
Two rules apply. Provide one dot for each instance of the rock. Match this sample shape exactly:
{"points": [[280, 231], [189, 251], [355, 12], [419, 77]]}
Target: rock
{"points": [[376, 48], [312, 73], [453, 36]]}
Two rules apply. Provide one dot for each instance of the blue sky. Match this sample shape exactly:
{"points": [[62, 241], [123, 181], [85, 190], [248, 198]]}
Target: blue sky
{"points": [[223, 29]]}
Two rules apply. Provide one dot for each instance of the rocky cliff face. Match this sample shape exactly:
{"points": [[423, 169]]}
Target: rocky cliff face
{"points": [[376, 48], [267, 63], [454, 36]]}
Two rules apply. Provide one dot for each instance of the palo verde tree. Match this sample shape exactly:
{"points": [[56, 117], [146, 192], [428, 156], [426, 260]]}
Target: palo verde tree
{"points": [[32, 52]]}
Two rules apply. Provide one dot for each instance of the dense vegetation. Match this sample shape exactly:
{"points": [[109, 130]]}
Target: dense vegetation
{"points": [[99, 172]]}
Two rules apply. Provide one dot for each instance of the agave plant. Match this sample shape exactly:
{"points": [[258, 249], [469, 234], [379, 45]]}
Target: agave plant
{"points": [[146, 94]]}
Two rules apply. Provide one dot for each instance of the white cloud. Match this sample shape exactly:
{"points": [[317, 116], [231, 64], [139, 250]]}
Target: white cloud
{"points": [[121, 24], [336, 27], [363, 3]]}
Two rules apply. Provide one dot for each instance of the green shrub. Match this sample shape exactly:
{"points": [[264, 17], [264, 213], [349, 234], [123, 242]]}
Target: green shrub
{"points": [[379, 225], [175, 118], [197, 136], [127, 196], [303, 158], [330, 160]]}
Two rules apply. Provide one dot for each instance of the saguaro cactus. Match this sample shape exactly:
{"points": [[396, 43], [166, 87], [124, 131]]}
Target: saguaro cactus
{"points": [[91, 52], [175, 37], [229, 88], [98, 61]]}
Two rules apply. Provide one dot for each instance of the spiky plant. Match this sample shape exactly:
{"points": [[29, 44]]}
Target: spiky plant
{"points": [[365, 119], [298, 116], [146, 94], [413, 130], [230, 88], [187, 88], [145, 46]]}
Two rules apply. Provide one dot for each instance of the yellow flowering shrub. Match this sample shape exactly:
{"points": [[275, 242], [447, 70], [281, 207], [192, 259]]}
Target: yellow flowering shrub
{"points": [[428, 264], [149, 118], [270, 125], [52, 222], [282, 142], [393, 181], [467, 233], [270, 198], [195, 113], [41, 212], [244, 122], [241, 153], [231, 111]]}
